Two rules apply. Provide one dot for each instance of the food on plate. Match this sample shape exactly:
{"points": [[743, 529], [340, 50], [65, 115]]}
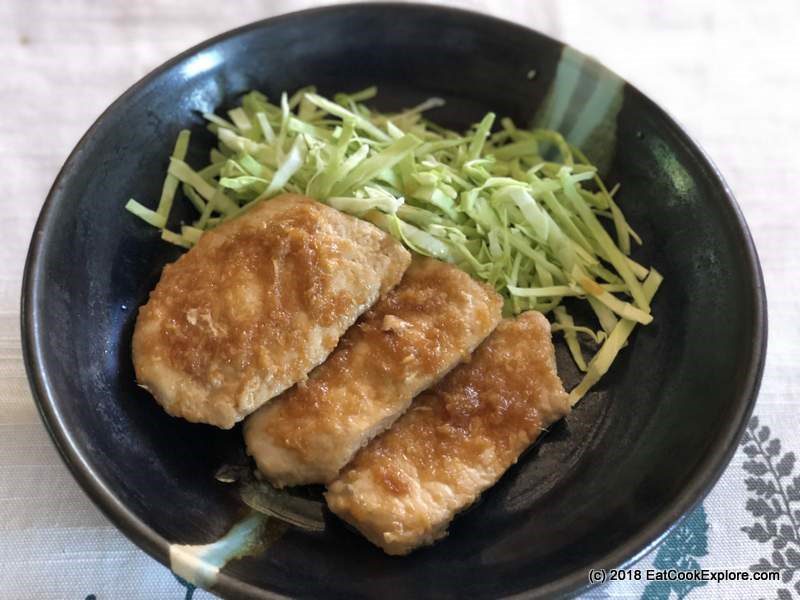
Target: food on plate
{"points": [[403, 489], [414, 335], [307, 210], [520, 209], [257, 304]]}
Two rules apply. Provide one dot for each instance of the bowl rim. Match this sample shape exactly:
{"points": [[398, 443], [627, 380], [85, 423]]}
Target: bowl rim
{"points": [[702, 481]]}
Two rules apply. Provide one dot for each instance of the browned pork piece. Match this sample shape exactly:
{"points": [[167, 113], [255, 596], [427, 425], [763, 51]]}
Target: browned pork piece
{"points": [[458, 438], [414, 335], [258, 303]]}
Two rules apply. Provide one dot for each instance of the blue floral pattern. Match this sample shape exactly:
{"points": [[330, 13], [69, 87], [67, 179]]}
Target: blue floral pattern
{"points": [[682, 549], [190, 588]]}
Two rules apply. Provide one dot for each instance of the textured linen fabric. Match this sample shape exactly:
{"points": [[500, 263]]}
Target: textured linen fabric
{"points": [[727, 70]]}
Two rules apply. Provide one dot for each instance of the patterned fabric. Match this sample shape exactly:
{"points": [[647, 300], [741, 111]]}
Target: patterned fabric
{"points": [[727, 70], [774, 503]]}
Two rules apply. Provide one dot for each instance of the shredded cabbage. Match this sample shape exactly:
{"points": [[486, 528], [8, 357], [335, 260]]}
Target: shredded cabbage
{"points": [[519, 209]]}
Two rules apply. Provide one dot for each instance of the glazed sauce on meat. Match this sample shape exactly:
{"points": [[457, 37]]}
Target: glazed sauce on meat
{"points": [[413, 334], [237, 290], [484, 414], [256, 304]]}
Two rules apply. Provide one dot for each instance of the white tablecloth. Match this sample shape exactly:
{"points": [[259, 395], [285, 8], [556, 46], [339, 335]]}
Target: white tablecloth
{"points": [[728, 70]]}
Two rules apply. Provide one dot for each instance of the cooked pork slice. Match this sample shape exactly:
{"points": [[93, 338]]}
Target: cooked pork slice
{"points": [[414, 335], [258, 303], [458, 438]]}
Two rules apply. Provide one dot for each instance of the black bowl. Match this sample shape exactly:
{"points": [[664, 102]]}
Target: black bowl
{"points": [[602, 487]]}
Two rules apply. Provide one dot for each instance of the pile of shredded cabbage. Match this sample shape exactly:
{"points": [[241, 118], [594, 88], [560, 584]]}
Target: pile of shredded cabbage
{"points": [[522, 210]]}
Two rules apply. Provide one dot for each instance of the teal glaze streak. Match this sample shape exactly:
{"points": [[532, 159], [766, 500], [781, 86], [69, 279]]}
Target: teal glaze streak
{"points": [[590, 124], [600, 111], [554, 108], [200, 564]]}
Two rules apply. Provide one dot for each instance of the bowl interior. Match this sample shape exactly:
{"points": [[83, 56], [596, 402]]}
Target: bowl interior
{"points": [[634, 455]]}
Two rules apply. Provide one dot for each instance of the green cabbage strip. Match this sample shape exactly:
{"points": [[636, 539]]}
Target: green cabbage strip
{"points": [[601, 361], [521, 210], [564, 319]]}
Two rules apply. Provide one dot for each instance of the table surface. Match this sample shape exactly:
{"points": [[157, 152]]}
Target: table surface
{"points": [[727, 70]]}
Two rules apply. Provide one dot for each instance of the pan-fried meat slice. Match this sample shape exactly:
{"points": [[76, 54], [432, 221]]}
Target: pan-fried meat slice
{"points": [[257, 304], [458, 438], [409, 339]]}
